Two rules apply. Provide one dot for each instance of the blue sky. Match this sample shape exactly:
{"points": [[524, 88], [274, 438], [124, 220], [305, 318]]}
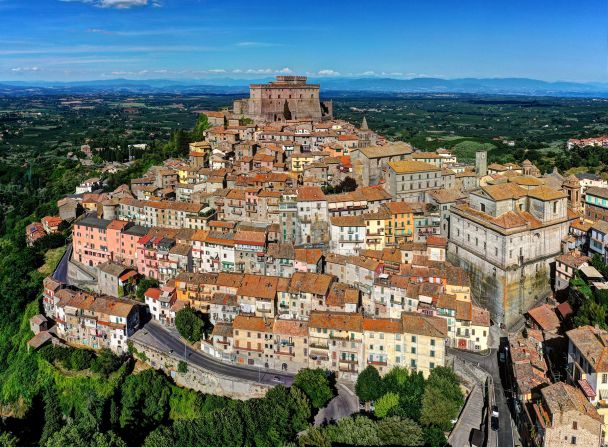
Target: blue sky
{"points": [[177, 39]]}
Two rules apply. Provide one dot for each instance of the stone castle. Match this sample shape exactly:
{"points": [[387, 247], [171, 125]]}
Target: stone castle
{"points": [[286, 98]]}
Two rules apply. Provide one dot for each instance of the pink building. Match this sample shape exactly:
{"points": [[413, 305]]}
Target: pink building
{"points": [[100, 240]]}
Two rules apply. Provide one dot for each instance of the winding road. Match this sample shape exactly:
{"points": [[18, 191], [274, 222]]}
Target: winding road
{"points": [[155, 336]]}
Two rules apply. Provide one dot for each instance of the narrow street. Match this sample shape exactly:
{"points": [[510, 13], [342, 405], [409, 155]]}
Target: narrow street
{"points": [[344, 404], [489, 363]]}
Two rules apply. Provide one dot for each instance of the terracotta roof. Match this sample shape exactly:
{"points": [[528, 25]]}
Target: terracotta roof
{"points": [[308, 282], [561, 398], [340, 321], [391, 149], [504, 191], [259, 286], [480, 317], [385, 325], [411, 166], [308, 255], [419, 324], [572, 260], [399, 207], [293, 328], [592, 344], [152, 292], [544, 315], [310, 194], [249, 323], [342, 294], [222, 330], [347, 221], [545, 193], [597, 192]]}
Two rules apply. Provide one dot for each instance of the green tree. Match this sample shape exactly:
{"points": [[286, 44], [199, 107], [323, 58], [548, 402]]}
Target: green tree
{"points": [[434, 437], [106, 362], [591, 313], [314, 437], [369, 384], [349, 184], [190, 324], [202, 124], [161, 437], [385, 404], [397, 431], [80, 359], [144, 402], [315, 384], [82, 435], [442, 399], [182, 367], [53, 418], [8, 440], [358, 430], [144, 285]]}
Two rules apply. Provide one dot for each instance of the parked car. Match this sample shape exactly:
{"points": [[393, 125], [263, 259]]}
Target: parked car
{"points": [[494, 423]]}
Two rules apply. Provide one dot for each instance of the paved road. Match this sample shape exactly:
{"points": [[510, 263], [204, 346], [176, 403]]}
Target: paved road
{"points": [[489, 363], [152, 334], [344, 404], [61, 271]]}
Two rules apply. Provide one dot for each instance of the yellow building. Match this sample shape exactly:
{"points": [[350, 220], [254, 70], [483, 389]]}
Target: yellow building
{"points": [[336, 343], [375, 228], [424, 340], [400, 224], [383, 341]]}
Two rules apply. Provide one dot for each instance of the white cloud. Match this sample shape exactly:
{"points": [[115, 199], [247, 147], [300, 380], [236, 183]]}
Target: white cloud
{"points": [[327, 72], [286, 70], [116, 4], [24, 69], [217, 70]]}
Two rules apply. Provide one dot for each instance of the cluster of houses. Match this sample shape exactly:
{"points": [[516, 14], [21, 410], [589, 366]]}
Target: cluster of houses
{"points": [[309, 241]]}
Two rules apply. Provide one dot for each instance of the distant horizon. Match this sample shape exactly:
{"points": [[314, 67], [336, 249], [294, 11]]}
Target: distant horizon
{"points": [[87, 40], [310, 76]]}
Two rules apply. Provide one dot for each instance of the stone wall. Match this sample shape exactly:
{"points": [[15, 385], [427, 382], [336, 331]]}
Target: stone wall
{"points": [[200, 379], [507, 294]]}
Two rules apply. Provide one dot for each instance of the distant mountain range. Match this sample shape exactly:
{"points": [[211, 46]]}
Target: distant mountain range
{"points": [[329, 86]]}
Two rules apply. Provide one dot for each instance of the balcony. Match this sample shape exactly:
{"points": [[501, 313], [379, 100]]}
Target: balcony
{"points": [[318, 346], [349, 361], [377, 362]]}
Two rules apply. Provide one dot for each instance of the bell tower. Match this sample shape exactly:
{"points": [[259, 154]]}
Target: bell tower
{"points": [[572, 187]]}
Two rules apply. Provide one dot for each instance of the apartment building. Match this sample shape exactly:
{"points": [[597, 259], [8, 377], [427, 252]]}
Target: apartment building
{"points": [[96, 321]]}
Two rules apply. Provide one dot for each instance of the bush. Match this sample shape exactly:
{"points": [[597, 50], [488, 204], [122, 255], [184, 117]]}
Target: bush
{"points": [[182, 367], [315, 384], [369, 384], [80, 359], [190, 324], [106, 362]]}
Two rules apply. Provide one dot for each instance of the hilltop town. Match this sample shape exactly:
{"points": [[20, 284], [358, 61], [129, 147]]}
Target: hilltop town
{"points": [[299, 240]]}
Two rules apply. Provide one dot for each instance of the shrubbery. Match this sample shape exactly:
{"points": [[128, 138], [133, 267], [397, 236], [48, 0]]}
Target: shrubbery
{"points": [[105, 362]]}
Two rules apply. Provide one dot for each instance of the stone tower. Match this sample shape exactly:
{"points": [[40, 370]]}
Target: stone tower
{"points": [[481, 163], [572, 187], [364, 124]]}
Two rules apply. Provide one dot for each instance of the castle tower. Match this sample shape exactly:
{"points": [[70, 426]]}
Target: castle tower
{"points": [[364, 124], [481, 163], [572, 187]]}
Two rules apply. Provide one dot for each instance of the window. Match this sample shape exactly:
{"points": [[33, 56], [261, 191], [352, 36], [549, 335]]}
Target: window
{"points": [[573, 442], [574, 425], [483, 207], [604, 378]]}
